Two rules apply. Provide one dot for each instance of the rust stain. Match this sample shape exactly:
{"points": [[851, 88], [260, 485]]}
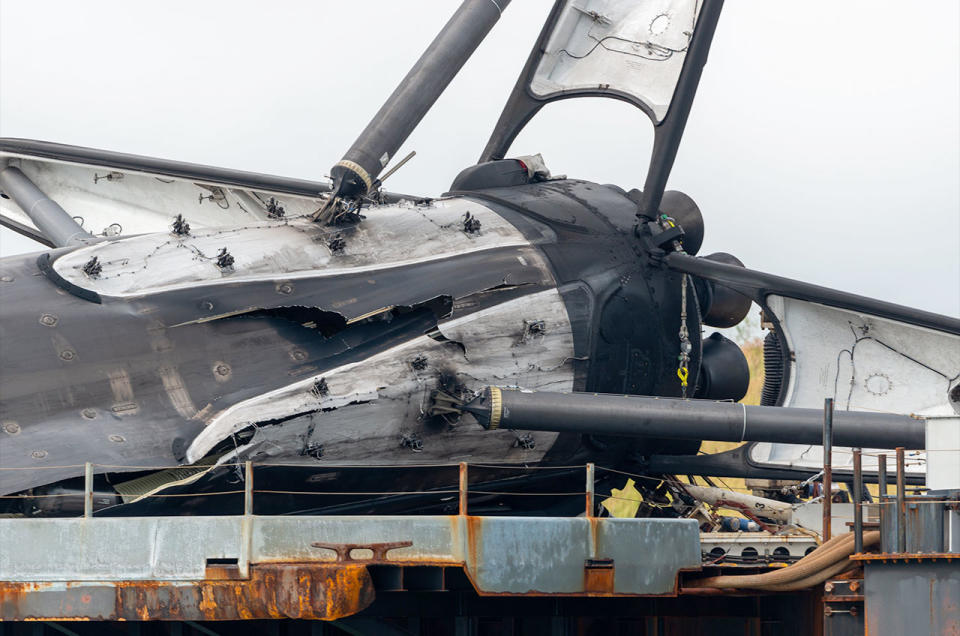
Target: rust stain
{"points": [[474, 536], [598, 577]]}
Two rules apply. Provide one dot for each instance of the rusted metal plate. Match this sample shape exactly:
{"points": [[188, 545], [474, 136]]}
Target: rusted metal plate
{"points": [[929, 588], [305, 591]]}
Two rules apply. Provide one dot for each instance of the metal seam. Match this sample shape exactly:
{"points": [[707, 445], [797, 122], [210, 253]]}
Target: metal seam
{"points": [[496, 407], [499, 9], [743, 432]]}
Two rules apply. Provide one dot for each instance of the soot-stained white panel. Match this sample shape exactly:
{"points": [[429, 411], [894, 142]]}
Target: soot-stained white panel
{"points": [[633, 46], [391, 236], [864, 362], [107, 202]]}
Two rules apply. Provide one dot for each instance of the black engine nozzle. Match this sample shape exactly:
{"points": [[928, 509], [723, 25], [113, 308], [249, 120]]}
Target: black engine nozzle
{"points": [[721, 306], [724, 372]]}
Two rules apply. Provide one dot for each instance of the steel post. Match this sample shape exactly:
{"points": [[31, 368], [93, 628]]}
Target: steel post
{"points": [[882, 476], [88, 490], [901, 503], [590, 489], [464, 487], [248, 488], [246, 522], [827, 467], [857, 502]]}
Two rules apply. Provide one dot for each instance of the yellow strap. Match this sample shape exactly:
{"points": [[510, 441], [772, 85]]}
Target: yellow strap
{"points": [[683, 374]]}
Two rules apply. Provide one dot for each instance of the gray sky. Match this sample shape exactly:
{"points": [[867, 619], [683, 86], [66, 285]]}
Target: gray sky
{"points": [[823, 144]]}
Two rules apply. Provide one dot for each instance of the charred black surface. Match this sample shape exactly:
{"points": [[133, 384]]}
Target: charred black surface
{"points": [[625, 312]]}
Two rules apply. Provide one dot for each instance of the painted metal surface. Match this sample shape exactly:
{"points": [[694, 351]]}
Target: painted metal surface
{"points": [[943, 464], [766, 546], [171, 567]]}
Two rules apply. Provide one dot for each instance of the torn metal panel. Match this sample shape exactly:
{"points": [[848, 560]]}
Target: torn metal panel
{"points": [[370, 404]]}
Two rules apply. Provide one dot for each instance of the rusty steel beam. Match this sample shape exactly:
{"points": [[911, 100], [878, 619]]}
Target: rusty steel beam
{"points": [[273, 591], [827, 468]]}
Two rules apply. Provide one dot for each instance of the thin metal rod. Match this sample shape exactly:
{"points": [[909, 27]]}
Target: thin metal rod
{"points": [[827, 467], [88, 490], [464, 487], [857, 502], [882, 476], [901, 504], [386, 175], [248, 488], [590, 489]]}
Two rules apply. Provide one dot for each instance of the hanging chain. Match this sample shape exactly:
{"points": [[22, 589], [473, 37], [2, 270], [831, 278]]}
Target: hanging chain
{"points": [[683, 372]]}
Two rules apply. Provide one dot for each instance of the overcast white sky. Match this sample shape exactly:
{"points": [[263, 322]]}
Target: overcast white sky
{"points": [[823, 144]]}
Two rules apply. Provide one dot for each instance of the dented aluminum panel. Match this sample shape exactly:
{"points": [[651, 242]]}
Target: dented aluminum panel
{"points": [[371, 404]]}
